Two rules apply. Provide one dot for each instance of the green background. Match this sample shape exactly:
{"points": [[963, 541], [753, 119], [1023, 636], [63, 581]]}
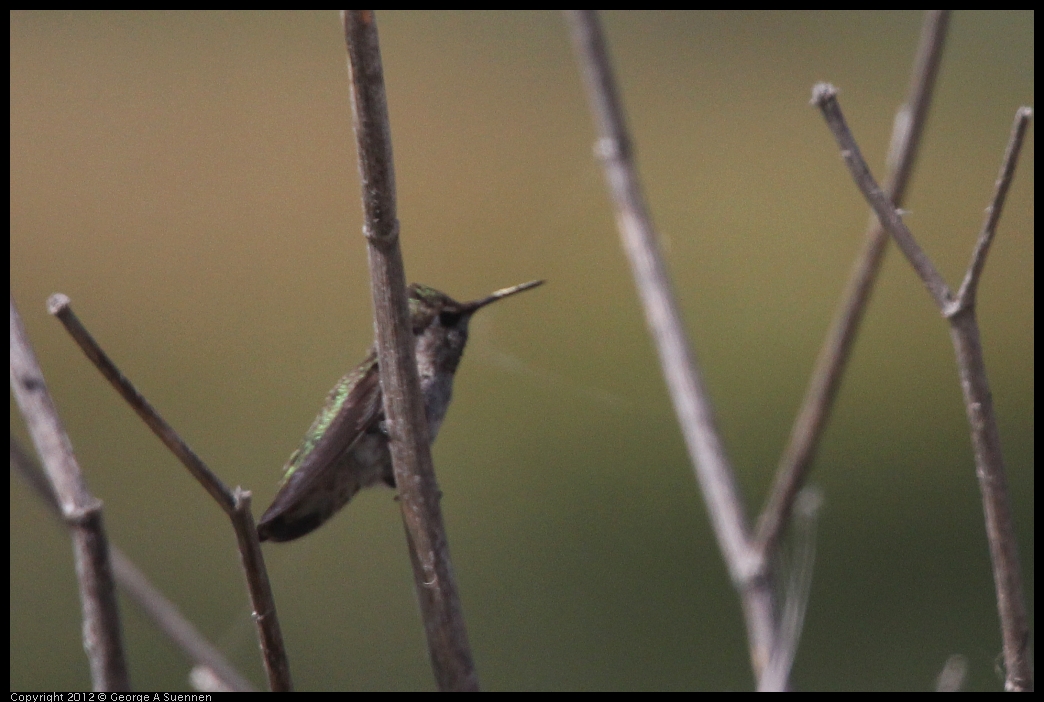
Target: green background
{"points": [[189, 180]]}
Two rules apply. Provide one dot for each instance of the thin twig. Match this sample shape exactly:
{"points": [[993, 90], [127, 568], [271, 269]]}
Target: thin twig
{"points": [[133, 582], [971, 366], [824, 96], [234, 503], [276, 660], [407, 423], [59, 306], [684, 382], [908, 127], [102, 637], [970, 285]]}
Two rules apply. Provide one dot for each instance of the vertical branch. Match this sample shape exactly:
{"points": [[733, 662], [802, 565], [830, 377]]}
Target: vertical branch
{"points": [[407, 422], [684, 382], [982, 420], [796, 460], [971, 366], [996, 500], [102, 638]]}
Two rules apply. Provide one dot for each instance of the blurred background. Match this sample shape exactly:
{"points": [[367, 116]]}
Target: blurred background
{"points": [[189, 180]]}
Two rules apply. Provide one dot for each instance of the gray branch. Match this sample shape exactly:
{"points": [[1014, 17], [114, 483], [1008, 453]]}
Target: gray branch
{"points": [[407, 422], [235, 503], [102, 637], [824, 96], [684, 382], [134, 583], [970, 285], [971, 366], [908, 127]]}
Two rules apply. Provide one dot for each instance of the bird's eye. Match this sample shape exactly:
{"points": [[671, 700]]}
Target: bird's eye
{"points": [[449, 319]]}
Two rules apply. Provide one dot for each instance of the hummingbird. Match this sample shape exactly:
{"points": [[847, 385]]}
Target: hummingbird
{"points": [[346, 448]]}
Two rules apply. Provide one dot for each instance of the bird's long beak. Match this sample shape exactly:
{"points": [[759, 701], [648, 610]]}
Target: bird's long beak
{"points": [[471, 307]]}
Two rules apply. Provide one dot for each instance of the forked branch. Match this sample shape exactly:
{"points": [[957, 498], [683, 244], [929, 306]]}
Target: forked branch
{"points": [[235, 503], [978, 400]]}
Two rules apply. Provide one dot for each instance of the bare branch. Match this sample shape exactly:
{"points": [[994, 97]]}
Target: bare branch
{"points": [[102, 637], [996, 500], [684, 382], [908, 126], [989, 460], [277, 663], [60, 306], [978, 400], [824, 96], [163, 613], [966, 294], [407, 422], [234, 503]]}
